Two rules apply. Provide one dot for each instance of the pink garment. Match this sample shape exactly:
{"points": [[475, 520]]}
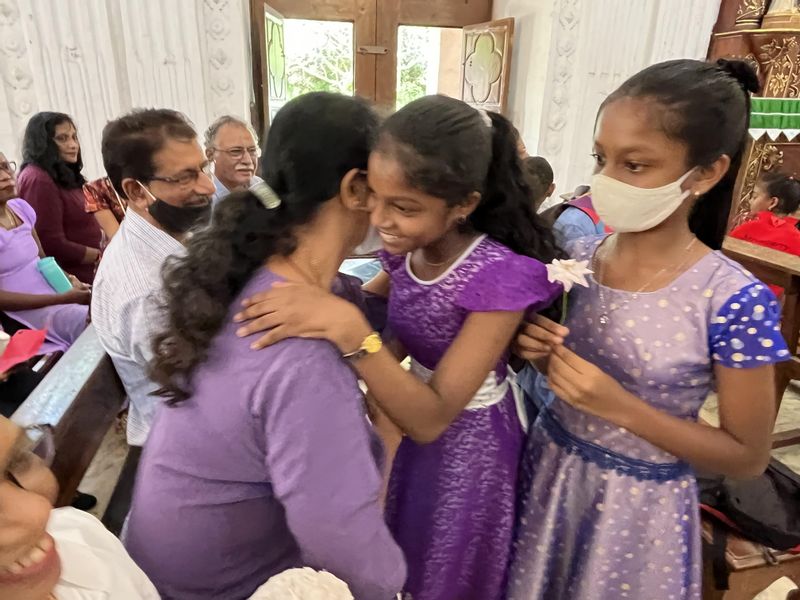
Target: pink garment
{"points": [[18, 273]]}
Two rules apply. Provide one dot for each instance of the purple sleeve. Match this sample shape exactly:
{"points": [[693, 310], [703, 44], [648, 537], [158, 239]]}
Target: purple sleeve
{"points": [[24, 210], [391, 263], [322, 471], [515, 283]]}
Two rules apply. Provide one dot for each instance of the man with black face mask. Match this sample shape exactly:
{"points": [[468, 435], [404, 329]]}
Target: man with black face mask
{"points": [[155, 162]]}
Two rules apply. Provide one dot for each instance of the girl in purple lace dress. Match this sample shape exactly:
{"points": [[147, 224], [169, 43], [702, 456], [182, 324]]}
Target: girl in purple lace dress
{"points": [[460, 268], [609, 508]]}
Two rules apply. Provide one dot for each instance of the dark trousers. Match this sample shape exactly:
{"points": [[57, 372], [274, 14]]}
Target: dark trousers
{"points": [[120, 503]]}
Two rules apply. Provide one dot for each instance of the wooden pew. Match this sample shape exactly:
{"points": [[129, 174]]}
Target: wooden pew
{"points": [[781, 269], [80, 397]]}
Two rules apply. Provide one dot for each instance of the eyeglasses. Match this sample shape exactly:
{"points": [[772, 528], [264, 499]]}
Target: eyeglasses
{"points": [[237, 153], [9, 167], [187, 178], [38, 440]]}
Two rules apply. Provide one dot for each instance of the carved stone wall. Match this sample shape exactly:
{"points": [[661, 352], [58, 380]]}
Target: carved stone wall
{"points": [[96, 59], [595, 46]]}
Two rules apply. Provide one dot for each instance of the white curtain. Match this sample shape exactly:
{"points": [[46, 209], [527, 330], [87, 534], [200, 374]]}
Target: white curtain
{"points": [[96, 59], [595, 46]]}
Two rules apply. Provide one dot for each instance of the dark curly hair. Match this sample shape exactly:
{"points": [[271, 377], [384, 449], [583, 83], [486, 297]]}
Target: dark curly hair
{"points": [[39, 148], [706, 106], [447, 149], [313, 142]]}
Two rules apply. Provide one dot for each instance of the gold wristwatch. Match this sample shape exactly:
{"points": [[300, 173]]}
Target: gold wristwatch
{"points": [[371, 345]]}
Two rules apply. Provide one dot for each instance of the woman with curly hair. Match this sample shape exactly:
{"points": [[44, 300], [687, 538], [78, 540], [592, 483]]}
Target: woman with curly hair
{"points": [[50, 180], [265, 461]]}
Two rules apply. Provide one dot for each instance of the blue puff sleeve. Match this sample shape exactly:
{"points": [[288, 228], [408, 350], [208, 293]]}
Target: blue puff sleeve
{"points": [[746, 332]]}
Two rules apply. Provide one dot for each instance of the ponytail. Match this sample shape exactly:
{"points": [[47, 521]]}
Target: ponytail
{"points": [[708, 219], [783, 187], [505, 212], [449, 150], [314, 141]]}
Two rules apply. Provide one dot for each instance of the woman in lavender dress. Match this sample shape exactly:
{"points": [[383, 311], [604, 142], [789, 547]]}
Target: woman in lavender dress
{"points": [[25, 295], [263, 462], [609, 509], [460, 268]]}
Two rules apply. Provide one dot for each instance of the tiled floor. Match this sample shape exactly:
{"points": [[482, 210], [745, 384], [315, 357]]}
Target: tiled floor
{"points": [[102, 475]]}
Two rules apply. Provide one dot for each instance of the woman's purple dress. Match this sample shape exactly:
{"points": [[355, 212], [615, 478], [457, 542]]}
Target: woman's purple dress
{"points": [[19, 255], [451, 503], [605, 514]]}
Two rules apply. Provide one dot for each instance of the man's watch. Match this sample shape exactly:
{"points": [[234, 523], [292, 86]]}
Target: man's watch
{"points": [[371, 345]]}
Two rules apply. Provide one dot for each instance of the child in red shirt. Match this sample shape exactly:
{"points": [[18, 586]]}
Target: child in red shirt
{"points": [[772, 224]]}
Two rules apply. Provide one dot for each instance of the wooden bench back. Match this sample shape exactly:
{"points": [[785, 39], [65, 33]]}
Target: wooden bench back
{"points": [[80, 397]]}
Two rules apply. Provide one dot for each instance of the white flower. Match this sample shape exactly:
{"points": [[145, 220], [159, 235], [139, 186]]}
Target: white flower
{"points": [[569, 273], [303, 584]]}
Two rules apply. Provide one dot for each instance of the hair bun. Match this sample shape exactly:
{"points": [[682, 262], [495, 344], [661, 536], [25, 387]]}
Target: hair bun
{"points": [[742, 72]]}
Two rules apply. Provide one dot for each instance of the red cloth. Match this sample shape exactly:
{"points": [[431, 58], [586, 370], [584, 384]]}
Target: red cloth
{"points": [[22, 346], [771, 231]]}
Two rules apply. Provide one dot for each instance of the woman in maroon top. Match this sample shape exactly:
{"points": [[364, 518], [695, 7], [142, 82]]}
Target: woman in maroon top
{"points": [[50, 181]]}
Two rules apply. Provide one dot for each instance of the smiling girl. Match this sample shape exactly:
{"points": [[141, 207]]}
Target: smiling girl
{"points": [[461, 260]]}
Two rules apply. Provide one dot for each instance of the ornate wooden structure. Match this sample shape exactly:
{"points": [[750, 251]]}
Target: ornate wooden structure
{"points": [[775, 53]]}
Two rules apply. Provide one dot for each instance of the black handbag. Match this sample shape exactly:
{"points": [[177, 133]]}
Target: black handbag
{"points": [[765, 510]]}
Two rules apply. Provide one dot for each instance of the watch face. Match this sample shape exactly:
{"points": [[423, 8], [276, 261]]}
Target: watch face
{"points": [[372, 344]]}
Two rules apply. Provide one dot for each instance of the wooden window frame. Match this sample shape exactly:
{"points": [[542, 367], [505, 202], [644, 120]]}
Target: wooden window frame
{"points": [[375, 23]]}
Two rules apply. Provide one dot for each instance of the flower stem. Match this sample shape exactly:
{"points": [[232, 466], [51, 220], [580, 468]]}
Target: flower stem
{"points": [[564, 303]]}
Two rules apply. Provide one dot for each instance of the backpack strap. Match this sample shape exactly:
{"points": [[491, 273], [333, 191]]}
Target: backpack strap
{"points": [[584, 204], [719, 567]]}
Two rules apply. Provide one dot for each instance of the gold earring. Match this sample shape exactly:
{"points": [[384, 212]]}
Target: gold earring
{"points": [[697, 194]]}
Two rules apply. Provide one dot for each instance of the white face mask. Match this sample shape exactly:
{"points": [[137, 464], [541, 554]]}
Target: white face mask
{"points": [[627, 208]]}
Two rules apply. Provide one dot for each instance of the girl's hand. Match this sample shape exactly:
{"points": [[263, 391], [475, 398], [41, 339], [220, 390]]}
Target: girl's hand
{"points": [[537, 339], [302, 310], [581, 384]]}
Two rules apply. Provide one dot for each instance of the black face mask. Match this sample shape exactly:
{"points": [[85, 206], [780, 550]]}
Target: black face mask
{"points": [[178, 219]]}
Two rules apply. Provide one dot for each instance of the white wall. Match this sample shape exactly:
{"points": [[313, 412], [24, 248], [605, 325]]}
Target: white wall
{"points": [[96, 59], [529, 62], [592, 46]]}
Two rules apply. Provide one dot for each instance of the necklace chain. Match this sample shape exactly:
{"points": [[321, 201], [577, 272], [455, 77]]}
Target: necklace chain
{"points": [[9, 220], [604, 311]]}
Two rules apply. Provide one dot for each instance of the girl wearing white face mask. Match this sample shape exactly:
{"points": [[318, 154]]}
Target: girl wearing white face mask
{"points": [[610, 502]]}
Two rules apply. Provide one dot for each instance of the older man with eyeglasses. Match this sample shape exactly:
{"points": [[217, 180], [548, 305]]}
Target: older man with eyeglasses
{"points": [[232, 147]]}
